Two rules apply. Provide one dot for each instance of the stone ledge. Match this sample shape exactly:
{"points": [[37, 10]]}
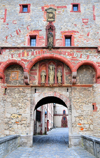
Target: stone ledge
{"points": [[43, 47], [8, 138], [91, 144], [91, 138]]}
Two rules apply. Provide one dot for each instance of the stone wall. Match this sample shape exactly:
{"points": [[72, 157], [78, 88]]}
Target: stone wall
{"points": [[17, 111], [82, 111], [96, 111], [2, 111]]}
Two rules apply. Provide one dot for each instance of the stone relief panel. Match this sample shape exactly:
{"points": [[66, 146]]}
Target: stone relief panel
{"points": [[33, 75], [86, 75], [51, 72], [14, 75]]}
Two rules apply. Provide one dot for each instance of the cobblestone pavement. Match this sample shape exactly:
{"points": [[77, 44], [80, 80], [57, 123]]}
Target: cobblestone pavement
{"points": [[53, 145]]}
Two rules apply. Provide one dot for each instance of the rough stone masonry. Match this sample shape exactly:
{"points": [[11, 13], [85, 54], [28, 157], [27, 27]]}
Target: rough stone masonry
{"points": [[21, 64]]}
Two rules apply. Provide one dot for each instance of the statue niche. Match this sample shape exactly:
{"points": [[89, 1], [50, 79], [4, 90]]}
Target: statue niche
{"points": [[51, 74], [50, 39], [50, 35], [59, 76], [43, 76]]}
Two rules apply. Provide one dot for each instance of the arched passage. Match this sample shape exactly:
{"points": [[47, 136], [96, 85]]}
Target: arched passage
{"points": [[46, 98], [56, 96], [50, 99]]}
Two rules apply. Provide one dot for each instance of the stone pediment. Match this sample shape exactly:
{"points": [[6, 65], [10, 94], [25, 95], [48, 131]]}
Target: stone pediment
{"points": [[50, 9]]}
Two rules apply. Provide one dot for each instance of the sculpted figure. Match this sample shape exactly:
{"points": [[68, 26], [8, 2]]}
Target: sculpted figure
{"points": [[43, 76], [59, 75], [51, 74], [50, 40]]}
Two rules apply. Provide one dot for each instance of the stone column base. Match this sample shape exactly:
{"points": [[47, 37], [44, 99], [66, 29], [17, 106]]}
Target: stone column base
{"points": [[26, 140], [74, 140]]}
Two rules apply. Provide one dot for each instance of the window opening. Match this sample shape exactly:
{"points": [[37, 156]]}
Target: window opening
{"points": [[67, 41], [33, 41], [93, 107], [35, 90], [25, 8], [38, 116], [64, 112], [75, 7], [5, 91]]}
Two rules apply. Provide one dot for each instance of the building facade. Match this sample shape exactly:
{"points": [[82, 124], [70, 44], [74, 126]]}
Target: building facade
{"points": [[43, 119], [49, 53], [60, 116]]}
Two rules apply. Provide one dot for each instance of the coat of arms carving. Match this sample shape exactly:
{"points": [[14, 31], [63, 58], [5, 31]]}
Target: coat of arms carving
{"points": [[50, 14]]}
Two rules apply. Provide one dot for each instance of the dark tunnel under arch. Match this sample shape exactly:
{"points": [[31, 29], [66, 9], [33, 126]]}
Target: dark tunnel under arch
{"points": [[50, 99]]}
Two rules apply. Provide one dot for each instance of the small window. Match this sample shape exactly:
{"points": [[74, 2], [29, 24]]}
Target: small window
{"points": [[64, 118], [67, 41], [25, 8], [38, 116], [33, 41], [64, 112], [75, 7]]}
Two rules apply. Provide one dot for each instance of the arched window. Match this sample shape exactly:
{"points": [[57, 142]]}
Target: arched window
{"points": [[64, 112], [64, 118]]}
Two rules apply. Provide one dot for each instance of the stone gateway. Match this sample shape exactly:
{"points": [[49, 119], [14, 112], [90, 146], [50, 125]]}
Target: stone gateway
{"points": [[50, 52]]}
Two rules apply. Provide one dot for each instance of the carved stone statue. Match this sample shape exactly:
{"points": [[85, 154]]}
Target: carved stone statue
{"points": [[50, 40], [51, 74], [59, 75], [43, 76]]}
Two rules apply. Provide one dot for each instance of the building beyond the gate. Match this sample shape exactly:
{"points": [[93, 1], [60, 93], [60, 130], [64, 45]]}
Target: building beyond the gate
{"points": [[49, 53]]}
